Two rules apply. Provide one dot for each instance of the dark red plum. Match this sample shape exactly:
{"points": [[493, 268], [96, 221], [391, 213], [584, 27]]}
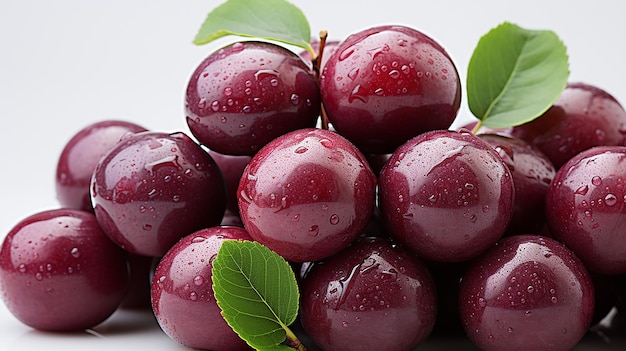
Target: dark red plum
{"points": [[60, 272], [585, 208], [307, 194], [532, 173], [232, 168], [374, 295], [446, 195], [387, 84], [526, 293], [584, 116], [141, 270], [182, 292], [80, 156], [248, 93], [154, 188]]}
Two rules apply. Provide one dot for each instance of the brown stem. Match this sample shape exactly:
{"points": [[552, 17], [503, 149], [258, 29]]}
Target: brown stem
{"points": [[324, 118], [320, 51], [317, 63]]}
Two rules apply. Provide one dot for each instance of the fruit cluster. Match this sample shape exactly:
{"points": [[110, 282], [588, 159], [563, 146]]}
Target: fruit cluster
{"points": [[397, 226]]}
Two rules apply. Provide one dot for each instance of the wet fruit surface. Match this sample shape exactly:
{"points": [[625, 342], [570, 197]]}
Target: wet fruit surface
{"points": [[60, 272], [80, 157], [526, 293], [232, 168], [585, 208], [532, 173], [307, 194], [182, 293], [154, 188], [246, 94], [385, 85], [584, 116], [446, 195], [373, 295]]}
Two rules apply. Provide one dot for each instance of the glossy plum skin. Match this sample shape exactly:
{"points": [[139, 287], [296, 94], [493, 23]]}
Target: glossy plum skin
{"points": [[80, 156], [307, 194], [248, 93], [583, 116], [60, 272], [526, 293], [141, 270], [585, 207], [153, 188], [446, 195], [387, 84], [532, 174], [182, 292], [232, 168], [374, 295]]}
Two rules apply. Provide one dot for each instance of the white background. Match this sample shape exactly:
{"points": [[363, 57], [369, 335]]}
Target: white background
{"points": [[67, 63]]}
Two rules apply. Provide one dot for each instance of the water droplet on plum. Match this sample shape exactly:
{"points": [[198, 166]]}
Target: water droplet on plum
{"points": [[394, 74], [74, 252], [582, 190], [295, 99], [482, 303], [610, 199], [596, 180], [237, 47], [198, 280], [314, 230], [327, 143], [358, 93]]}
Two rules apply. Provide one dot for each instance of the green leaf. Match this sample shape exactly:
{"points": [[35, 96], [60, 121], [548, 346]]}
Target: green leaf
{"points": [[277, 20], [515, 74], [257, 292]]}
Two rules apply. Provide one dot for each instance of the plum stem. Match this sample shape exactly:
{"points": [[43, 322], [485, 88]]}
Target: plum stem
{"points": [[317, 63]]}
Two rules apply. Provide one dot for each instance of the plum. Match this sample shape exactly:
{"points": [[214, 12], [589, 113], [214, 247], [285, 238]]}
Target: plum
{"points": [[527, 292], [60, 272]]}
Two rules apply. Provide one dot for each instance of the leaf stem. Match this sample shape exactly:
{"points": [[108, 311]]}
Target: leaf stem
{"points": [[477, 127], [294, 342]]}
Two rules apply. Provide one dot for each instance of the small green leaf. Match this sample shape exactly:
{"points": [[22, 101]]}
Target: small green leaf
{"points": [[257, 292], [277, 20], [515, 74]]}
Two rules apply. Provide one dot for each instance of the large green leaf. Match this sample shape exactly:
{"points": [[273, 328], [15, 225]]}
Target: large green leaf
{"points": [[515, 74], [257, 292], [277, 20]]}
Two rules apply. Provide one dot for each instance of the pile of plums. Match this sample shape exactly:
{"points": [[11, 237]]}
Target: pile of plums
{"points": [[397, 226]]}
